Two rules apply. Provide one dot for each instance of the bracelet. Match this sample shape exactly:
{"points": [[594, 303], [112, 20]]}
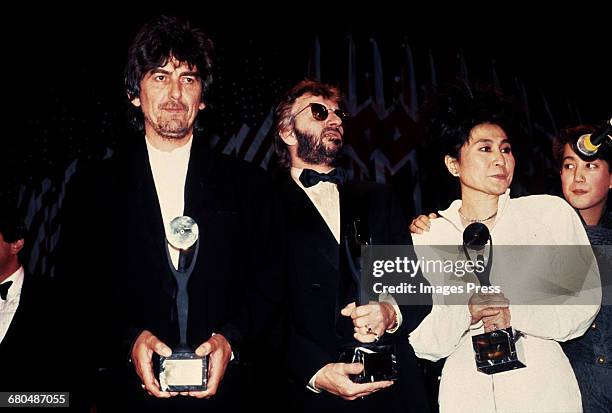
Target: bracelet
{"points": [[394, 325]]}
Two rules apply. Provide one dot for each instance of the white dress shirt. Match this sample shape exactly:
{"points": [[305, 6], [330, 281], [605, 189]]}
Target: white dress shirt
{"points": [[326, 198], [169, 174], [9, 306]]}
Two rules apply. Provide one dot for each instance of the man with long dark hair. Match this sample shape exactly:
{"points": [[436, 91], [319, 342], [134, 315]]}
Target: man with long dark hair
{"points": [[170, 172]]}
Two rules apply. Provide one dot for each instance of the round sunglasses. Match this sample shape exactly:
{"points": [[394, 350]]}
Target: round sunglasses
{"points": [[320, 112]]}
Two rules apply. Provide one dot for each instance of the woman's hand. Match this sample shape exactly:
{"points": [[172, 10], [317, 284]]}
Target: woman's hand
{"points": [[489, 309], [422, 223], [497, 322]]}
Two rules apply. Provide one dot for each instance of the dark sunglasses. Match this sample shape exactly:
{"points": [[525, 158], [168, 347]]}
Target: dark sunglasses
{"points": [[320, 112]]}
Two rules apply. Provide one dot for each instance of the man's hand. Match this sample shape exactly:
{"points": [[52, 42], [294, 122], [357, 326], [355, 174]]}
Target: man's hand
{"points": [[422, 223], [489, 307], [371, 320], [219, 351], [334, 378], [142, 354]]}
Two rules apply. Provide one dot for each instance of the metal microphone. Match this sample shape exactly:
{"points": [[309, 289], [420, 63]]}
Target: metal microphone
{"points": [[475, 237], [589, 143]]}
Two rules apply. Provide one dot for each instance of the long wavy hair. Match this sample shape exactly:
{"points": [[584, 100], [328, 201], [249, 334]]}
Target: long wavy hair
{"points": [[159, 40]]}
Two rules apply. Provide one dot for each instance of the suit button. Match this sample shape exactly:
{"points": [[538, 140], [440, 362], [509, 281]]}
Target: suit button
{"points": [[315, 287], [594, 326], [601, 360]]}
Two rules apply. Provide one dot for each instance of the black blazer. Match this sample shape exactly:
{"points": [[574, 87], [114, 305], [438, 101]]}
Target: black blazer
{"points": [[234, 207], [315, 266], [18, 348], [36, 351]]}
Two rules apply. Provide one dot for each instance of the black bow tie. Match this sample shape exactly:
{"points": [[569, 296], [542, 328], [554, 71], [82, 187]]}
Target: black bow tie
{"points": [[309, 178], [4, 289]]}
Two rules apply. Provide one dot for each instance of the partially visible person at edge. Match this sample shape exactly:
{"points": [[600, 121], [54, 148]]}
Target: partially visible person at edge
{"points": [[586, 182], [35, 332], [121, 265], [472, 129]]}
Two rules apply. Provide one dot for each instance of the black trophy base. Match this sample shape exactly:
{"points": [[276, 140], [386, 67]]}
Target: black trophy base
{"points": [[183, 371], [379, 362], [497, 351]]}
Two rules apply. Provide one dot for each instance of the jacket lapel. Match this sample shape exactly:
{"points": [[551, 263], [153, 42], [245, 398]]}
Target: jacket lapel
{"points": [[140, 196], [311, 224], [354, 223]]}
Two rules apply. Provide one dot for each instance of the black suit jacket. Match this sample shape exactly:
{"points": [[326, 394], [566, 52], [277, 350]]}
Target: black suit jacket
{"points": [[36, 352], [318, 280], [233, 283]]}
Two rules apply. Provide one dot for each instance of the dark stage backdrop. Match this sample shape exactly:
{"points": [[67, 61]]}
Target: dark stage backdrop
{"points": [[63, 78]]}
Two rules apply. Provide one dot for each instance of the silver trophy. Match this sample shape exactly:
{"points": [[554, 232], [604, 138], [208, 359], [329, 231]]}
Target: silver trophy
{"points": [[184, 370]]}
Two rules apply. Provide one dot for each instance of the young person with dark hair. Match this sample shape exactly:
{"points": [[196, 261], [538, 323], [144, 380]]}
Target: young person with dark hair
{"points": [[586, 183]]}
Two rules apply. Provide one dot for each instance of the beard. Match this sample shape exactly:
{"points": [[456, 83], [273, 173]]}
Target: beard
{"points": [[172, 128], [171, 125], [318, 150]]}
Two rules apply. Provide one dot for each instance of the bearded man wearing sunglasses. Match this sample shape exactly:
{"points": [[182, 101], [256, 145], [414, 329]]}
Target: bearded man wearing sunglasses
{"points": [[320, 207]]}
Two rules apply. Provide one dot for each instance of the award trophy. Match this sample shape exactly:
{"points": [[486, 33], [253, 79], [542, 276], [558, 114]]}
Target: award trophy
{"points": [[496, 351], [183, 370], [379, 362]]}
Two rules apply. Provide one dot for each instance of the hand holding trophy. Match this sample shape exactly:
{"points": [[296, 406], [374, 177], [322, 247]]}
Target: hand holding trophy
{"points": [[498, 349], [378, 360]]}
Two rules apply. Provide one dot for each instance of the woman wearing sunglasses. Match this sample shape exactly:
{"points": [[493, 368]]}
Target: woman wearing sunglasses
{"points": [[471, 130]]}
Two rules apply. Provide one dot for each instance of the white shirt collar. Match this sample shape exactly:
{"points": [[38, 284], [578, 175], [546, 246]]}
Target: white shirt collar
{"points": [[451, 214], [180, 152], [295, 174], [17, 279]]}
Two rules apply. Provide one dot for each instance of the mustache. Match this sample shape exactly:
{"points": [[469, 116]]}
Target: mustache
{"points": [[173, 106], [332, 129]]}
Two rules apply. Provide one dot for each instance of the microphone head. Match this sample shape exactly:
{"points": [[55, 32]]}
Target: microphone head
{"points": [[586, 146], [589, 143], [476, 236]]}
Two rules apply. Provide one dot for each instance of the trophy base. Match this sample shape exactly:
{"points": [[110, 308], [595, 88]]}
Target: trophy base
{"points": [[379, 362], [183, 371], [498, 351]]}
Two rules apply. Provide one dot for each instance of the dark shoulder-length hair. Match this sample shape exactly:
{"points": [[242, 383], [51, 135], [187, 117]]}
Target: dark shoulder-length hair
{"points": [[282, 113], [448, 117], [12, 225], [446, 121], [159, 40]]}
